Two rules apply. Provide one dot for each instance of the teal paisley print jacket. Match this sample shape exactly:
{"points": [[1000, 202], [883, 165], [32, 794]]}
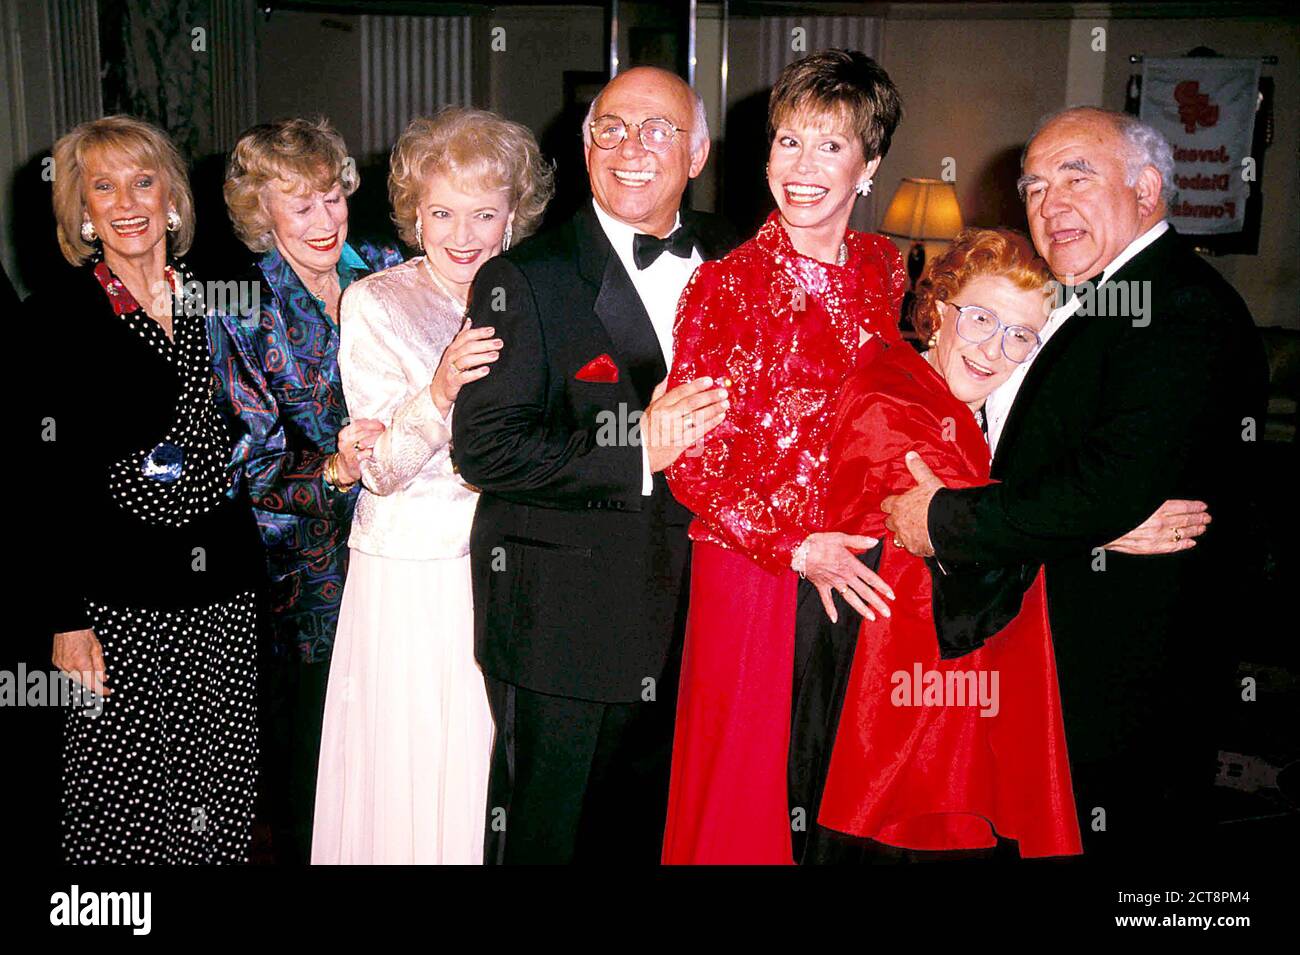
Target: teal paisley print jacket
{"points": [[277, 376]]}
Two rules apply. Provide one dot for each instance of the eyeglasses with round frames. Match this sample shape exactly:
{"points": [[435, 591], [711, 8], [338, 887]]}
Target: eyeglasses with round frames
{"points": [[977, 325], [656, 133]]}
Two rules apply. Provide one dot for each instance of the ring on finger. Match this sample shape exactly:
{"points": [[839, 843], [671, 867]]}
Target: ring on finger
{"points": [[455, 367], [688, 420], [1178, 534]]}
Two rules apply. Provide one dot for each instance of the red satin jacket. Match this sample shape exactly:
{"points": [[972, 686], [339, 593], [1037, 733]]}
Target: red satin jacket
{"points": [[931, 753]]}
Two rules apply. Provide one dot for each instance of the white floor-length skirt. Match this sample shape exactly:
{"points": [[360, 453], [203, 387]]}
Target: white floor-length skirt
{"points": [[407, 737]]}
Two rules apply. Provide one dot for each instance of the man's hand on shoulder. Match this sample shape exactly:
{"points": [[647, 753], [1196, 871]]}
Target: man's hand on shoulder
{"points": [[907, 514]]}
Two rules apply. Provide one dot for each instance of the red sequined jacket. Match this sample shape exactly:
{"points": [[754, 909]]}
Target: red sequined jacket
{"points": [[784, 329]]}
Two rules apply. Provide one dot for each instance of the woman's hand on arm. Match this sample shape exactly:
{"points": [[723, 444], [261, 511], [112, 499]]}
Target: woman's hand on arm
{"points": [[830, 563], [1172, 528], [466, 359], [78, 654], [356, 444]]}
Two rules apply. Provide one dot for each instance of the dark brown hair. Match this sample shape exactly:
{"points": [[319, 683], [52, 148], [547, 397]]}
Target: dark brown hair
{"points": [[844, 84]]}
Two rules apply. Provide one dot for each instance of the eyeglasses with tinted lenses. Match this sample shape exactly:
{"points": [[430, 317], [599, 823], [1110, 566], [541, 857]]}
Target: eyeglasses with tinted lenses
{"points": [[977, 325], [656, 134]]}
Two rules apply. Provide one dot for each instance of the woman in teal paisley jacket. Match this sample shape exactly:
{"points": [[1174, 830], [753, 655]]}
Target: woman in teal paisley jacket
{"points": [[298, 457]]}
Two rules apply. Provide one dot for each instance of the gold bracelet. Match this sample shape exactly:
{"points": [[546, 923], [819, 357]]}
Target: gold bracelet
{"points": [[343, 486], [331, 474]]}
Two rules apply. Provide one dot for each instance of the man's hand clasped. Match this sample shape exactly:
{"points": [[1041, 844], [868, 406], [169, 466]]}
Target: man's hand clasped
{"points": [[1172, 528]]}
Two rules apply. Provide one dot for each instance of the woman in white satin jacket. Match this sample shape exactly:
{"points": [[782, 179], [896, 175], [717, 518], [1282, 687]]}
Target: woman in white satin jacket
{"points": [[408, 733]]}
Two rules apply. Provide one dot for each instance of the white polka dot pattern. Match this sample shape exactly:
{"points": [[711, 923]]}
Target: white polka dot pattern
{"points": [[197, 429], [166, 772]]}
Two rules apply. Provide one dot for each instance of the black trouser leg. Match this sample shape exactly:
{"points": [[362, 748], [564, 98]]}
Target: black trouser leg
{"points": [[626, 803], [295, 700], [541, 759], [577, 780]]}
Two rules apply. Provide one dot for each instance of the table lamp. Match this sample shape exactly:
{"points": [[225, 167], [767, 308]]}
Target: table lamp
{"points": [[922, 210]]}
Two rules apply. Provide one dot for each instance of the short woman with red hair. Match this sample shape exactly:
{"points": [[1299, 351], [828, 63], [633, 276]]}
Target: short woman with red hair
{"points": [[942, 747]]}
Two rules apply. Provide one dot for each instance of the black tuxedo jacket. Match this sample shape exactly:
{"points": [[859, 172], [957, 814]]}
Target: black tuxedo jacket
{"points": [[578, 577], [1114, 417]]}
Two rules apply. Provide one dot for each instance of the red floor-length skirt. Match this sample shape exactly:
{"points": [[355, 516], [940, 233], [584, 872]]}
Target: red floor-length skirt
{"points": [[728, 801]]}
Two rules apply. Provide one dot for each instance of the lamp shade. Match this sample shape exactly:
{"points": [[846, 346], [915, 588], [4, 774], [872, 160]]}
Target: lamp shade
{"points": [[924, 210]]}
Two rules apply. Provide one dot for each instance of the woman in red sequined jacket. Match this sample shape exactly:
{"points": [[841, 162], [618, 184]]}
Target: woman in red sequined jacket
{"points": [[780, 323]]}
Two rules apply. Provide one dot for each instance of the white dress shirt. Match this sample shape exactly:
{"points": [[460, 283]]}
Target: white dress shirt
{"points": [[659, 286], [997, 408]]}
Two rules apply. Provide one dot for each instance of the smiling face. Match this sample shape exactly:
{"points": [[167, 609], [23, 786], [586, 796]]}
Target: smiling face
{"points": [[972, 371], [461, 230], [1081, 213], [309, 226], [635, 186], [813, 168], [127, 204]]}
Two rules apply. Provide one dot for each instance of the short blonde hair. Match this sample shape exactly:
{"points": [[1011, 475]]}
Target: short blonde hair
{"points": [[134, 141], [308, 153], [477, 149]]}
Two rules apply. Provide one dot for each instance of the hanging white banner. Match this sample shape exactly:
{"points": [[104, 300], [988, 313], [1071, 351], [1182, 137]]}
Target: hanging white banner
{"points": [[1205, 107]]}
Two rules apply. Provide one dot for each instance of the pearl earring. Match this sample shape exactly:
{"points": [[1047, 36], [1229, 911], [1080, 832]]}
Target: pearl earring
{"points": [[419, 233], [863, 187], [88, 233], [173, 220], [505, 239]]}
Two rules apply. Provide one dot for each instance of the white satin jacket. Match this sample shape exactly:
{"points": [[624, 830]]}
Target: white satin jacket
{"points": [[394, 327]]}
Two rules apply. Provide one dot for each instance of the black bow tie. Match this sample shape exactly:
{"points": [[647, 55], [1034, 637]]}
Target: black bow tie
{"points": [[647, 248]]}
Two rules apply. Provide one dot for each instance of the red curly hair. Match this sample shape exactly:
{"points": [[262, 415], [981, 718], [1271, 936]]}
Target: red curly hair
{"points": [[975, 253]]}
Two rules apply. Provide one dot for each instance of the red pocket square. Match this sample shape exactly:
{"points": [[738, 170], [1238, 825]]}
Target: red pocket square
{"points": [[601, 369]]}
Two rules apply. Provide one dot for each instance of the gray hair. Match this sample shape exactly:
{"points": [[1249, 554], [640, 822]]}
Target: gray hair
{"points": [[699, 121], [1146, 147]]}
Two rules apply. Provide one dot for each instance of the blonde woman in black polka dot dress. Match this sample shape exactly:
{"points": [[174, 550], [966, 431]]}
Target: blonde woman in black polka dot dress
{"points": [[151, 566]]}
